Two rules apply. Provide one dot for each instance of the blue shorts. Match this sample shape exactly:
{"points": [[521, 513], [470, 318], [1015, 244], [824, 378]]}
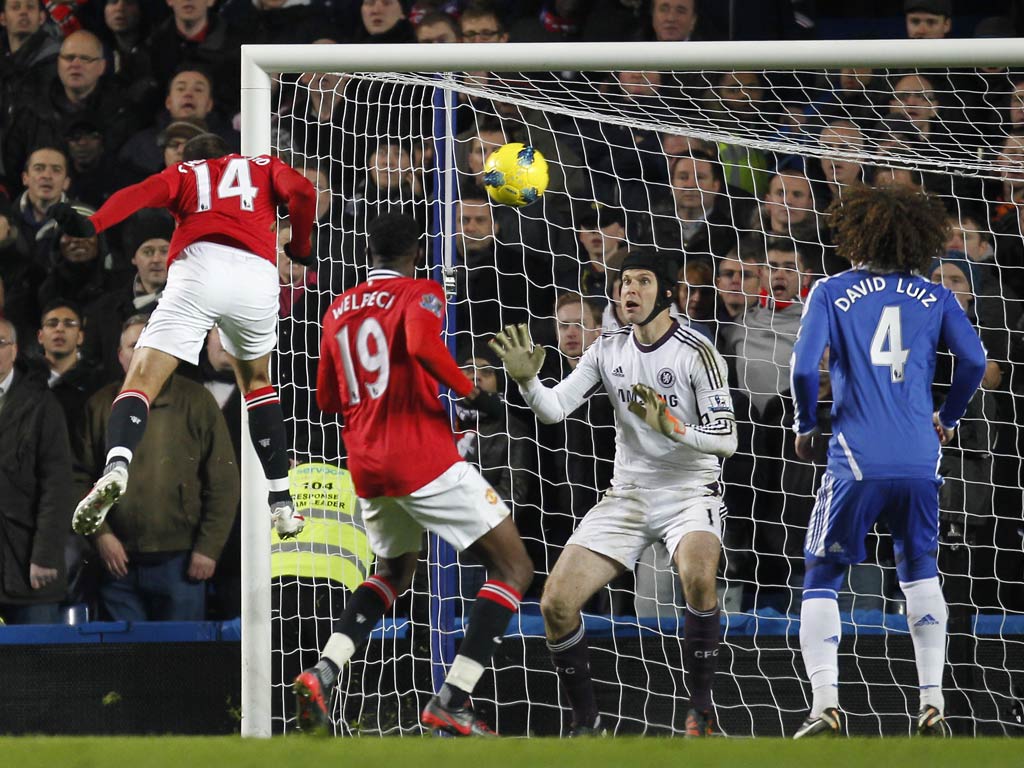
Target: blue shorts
{"points": [[846, 509]]}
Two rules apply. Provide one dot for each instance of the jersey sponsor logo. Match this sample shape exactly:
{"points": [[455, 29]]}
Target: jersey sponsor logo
{"points": [[351, 302], [617, 371], [491, 496], [431, 303], [627, 396], [666, 377]]}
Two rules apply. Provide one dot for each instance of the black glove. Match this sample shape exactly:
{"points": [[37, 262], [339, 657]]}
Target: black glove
{"points": [[309, 261], [486, 403], [71, 221]]}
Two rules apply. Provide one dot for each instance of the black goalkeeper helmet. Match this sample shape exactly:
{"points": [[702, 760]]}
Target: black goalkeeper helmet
{"points": [[665, 271]]}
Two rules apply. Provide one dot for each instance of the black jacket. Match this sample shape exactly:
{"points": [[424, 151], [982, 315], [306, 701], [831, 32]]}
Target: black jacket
{"points": [[217, 53], [38, 119], [36, 503]]}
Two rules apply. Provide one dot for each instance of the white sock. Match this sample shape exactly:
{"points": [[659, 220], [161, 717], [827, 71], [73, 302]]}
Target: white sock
{"points": [[820, 632], [926, 617], [339, 649], [465, 673]]}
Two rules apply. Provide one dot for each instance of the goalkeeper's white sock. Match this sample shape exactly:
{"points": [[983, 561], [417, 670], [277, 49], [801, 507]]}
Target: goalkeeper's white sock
{"points": [[926, 617], [820, 632]]}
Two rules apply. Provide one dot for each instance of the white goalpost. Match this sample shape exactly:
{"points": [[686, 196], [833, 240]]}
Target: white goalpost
{"points": [[768, 133]]}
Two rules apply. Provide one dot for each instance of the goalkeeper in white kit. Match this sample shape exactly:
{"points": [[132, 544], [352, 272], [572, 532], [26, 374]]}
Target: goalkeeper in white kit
{"points": [[673, 420]]}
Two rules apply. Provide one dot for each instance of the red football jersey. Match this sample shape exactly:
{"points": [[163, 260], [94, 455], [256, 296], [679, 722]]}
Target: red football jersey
{"points": [[381, 355], [230, 200]]}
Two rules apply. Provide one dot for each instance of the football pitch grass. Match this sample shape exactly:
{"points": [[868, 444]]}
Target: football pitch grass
{"points": [[297, 752]]}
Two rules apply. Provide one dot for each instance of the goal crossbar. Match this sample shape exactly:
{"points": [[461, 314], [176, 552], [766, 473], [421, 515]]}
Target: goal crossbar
{"points": [[260, 62]]}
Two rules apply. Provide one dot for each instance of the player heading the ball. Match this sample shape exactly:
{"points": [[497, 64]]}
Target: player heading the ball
{"points": [[221, 272], [882, 324], [673, 420]]}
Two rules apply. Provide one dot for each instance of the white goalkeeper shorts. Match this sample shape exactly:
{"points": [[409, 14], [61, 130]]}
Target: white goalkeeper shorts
{"points": [[629, 519], [459, 506], [210, 284]]}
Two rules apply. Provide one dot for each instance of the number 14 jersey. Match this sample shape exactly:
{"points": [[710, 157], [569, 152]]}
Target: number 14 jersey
{"points": [[396, 432], [230, 200]]}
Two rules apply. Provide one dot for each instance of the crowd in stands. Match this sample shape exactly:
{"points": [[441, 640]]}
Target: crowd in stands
{"points": [[97, 95]]}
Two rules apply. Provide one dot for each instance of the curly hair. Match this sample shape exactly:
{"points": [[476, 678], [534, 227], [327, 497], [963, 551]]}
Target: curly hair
{"points": [[888, 229]]}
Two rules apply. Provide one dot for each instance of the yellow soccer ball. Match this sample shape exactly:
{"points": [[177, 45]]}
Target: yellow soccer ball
{"points": [[515, 174]]}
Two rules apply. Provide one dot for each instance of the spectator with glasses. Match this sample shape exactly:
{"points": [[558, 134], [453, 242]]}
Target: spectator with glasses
{"points": [[37, 117], [480, 23], [73, 380]]}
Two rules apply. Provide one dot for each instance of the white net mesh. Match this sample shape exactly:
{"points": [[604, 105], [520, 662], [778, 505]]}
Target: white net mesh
{"points": [[729, 173]]}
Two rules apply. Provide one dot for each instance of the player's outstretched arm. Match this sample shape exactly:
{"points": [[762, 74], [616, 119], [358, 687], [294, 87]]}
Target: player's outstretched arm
{"points": [[718, 437], [517, 352], [154, 192], [523, 361]]}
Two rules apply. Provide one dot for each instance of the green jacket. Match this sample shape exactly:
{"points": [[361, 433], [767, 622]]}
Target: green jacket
{"points": [[183, 485]]}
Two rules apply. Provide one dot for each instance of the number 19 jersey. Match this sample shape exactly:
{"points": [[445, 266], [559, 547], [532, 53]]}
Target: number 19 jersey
{"points": [[397, 434]]}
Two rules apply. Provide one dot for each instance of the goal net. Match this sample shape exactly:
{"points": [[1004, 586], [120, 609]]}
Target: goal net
{"points": [[723, 160]]}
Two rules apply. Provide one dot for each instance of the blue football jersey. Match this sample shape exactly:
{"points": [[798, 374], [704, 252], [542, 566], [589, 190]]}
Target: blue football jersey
{"points": [[883, 332]]}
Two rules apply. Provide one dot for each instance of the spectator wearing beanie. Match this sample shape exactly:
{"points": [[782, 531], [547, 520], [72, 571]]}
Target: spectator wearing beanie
{"points": [[146, 237]]}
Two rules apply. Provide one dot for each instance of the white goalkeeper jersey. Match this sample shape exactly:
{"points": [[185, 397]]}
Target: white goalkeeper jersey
{"points": [[685, 369]]}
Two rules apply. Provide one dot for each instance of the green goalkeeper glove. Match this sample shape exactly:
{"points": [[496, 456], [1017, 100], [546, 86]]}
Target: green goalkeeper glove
{"points": [[515, 349], [651, 407]]}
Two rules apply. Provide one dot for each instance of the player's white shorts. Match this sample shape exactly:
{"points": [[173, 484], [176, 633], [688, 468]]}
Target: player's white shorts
{"points": [[459, 506], [210, 284], [629, 519]]}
